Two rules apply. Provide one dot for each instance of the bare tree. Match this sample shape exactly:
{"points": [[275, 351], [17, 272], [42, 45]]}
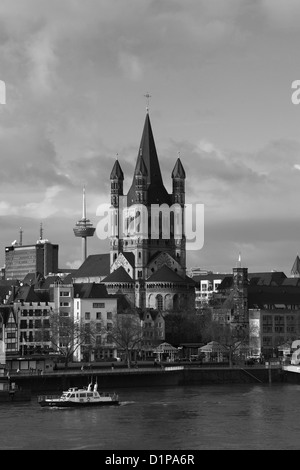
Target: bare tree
{"points": [[67, 335], [234, 337], [127, 333]]}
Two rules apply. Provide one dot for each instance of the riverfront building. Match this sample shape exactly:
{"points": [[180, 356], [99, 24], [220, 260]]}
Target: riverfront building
{"points": [[20, 260], [268, 302]]}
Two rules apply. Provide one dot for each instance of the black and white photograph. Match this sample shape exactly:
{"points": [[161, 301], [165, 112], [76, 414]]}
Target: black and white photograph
{"points": [[149, 227]]}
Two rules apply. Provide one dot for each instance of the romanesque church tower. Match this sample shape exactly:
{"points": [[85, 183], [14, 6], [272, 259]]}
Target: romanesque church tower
{"points": [[147, 244]]}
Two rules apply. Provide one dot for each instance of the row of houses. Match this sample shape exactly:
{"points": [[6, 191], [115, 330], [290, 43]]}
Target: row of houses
{"points": [[27, 312], [267, 303]]}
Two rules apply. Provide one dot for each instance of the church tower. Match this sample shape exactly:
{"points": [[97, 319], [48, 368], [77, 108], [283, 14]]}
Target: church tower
{"points": [[178, 198], [148, 245], [116, 191], [240, 294]]}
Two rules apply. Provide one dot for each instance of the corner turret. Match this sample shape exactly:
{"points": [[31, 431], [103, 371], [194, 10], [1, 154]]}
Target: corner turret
{"points": [[178, 177], [116, 183]]}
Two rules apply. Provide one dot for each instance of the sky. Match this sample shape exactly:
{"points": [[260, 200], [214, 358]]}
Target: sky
{"points": [[220, 77]]}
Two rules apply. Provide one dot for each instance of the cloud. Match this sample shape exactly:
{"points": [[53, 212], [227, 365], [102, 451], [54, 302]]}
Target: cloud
{"points": [[131, 66], [40, 209], [40, 51]]}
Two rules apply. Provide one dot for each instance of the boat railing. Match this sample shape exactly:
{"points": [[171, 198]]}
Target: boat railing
{"points": [[48, 397]]}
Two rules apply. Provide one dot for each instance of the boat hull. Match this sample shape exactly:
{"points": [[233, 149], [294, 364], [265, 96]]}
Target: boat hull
{"points": [[70, 404]]}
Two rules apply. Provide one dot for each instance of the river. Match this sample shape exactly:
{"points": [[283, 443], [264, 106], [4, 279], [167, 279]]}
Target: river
{"points": [[213, 417]]}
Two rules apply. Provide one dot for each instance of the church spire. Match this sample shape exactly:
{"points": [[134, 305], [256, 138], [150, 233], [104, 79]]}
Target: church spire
{"points": [[295, 271], [178, 177], [178, 171], [157, 193], [116, 172]]}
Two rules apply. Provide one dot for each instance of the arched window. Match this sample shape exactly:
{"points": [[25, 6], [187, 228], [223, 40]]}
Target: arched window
{"points": [[159, 302]]}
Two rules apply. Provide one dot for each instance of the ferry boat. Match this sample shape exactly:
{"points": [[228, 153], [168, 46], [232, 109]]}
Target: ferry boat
{"points": [[79, 397]]}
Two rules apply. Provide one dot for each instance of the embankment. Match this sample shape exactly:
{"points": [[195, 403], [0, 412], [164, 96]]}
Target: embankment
{"points": [[149, 377]]}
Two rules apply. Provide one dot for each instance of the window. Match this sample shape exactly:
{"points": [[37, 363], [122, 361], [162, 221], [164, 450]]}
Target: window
{"points": [[267, 329], [98, 315], [279, 329], [109, 326], [65, 294], [109, 315], [65, 304], [87, 316], [99, 305], [98, 339], [109, 339], [159, 302]]}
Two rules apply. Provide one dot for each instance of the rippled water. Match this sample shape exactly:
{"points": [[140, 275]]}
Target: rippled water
{"points": [[176, 418]]}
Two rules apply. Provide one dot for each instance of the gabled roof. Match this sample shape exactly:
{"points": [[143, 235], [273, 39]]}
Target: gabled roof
{"points": [[213, 346], [48, 281], [5, 311], [165, 347], [153, 313], [130, 257], [267, 278], [33, 278], [119, 275], [165, 274], [279, 296], [295, 271], [157, 193], [93, 266], [26, 294], [90, 290], [291, 281], [257, 279], [209, 277]]}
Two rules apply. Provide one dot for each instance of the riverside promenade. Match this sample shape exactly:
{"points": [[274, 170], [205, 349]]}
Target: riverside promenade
{"points": [[148, 376]]}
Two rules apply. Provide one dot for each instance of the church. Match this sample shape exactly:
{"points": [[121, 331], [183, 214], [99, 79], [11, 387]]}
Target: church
{"points": [[147, 241]]}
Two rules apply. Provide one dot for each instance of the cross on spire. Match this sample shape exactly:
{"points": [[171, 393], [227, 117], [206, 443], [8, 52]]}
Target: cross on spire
{"points": [[147, 96]]}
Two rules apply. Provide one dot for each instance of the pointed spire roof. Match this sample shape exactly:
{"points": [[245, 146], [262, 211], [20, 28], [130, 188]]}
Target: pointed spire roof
{"points": [[140, 169], [178, 171], [295, 271], [157, 193], [116, 172]]}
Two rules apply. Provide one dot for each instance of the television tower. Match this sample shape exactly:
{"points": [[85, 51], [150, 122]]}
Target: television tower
{"points": [[84, 228]]}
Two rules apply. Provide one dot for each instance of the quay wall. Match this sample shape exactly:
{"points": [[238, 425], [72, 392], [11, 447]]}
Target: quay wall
{"points": [[146, 377]]}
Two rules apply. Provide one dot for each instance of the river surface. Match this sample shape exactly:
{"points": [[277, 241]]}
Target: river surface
{"points": [[213, 417]]}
